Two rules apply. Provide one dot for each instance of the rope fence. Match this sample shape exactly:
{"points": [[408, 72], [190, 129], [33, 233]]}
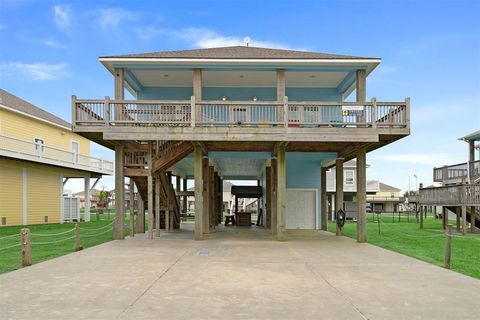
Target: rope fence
{"points": [[26, 243]]}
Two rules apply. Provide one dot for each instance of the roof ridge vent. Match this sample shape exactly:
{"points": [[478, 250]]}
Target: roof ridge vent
{"points": [[247, 40]]}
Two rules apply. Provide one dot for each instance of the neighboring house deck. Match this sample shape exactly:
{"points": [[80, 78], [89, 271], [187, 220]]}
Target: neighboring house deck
{"points": [[38, 154], [280, 117], [460, 190]]}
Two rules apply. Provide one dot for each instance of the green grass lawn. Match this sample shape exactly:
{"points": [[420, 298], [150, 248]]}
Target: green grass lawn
{"points": [[10, 259], [427, 245]]}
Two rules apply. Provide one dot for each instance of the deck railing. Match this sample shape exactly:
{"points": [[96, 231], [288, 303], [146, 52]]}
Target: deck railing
{"points": [[240, 113], [462, 194], [457, 171], [31, 151]]}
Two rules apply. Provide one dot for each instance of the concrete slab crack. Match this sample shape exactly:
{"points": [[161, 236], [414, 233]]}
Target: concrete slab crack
{"points": [[338, 291], [154, 282]]}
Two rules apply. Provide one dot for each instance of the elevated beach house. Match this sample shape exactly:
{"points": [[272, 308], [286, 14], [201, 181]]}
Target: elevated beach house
{"points": [[279, 117], [38, 154]]}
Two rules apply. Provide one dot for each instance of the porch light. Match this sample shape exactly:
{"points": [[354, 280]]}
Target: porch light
{"points": [[254, 98], [224, 98]]}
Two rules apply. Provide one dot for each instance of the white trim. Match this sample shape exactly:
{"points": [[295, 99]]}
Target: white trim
{"points": [[61, 198], [34, 117], [317, 212], [24, 196]]}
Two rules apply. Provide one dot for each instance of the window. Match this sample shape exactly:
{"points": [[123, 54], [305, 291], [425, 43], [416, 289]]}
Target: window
{"points": [[392, 194], [75, 149], [349, 177], [39, 145]]}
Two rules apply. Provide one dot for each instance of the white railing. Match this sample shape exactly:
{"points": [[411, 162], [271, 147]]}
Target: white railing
{"points": [[240, 113], [29, 150]]}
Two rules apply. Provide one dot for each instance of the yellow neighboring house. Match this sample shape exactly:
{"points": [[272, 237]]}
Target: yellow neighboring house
{"points": [[38, 154]]}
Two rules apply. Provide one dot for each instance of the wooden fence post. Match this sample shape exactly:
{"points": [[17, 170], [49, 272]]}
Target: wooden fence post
{"points": [[26, 248], [78, 247], [448, 246]]}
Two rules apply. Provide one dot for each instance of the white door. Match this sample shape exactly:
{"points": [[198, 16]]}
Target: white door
{"points": [[300, 209]]}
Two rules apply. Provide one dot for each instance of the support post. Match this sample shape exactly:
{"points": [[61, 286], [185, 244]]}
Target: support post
{"points": [[150, 195], [86, 195], [77, 245], [119, 193], [444, 218], [323, 198], [458, 213], [26, 248], [464, 220], [269, 195], [119, 91], [281, 193], [473, 215], [197, 93], [448, 246], [361, 195], [132, 207], [206, 195], [140, 227], [185, 198], [198, 172], [422, 210], [338, 192], [157, 206], [361, 91], [274, 195]]}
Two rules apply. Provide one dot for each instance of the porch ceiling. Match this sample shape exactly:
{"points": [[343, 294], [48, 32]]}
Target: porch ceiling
{"points": [[239, 78]]}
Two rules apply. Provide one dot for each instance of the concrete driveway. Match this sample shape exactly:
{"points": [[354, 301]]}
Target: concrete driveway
{"points": [[239, 274]]}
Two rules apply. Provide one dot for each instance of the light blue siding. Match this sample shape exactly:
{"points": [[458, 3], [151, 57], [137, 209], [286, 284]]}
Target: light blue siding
{"points": [[304, 172]]}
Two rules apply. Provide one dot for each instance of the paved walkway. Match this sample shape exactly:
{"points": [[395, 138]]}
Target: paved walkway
{"points": [[241, 274]]}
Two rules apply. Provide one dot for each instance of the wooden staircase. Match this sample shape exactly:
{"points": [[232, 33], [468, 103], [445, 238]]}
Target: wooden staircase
{"points": [[165, 155], [477, 221]]}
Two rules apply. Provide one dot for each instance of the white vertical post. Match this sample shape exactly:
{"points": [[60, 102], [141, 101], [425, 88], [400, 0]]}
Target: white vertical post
{"points": [[374, 113], [87, 199], [62, 202], [24, 196]]}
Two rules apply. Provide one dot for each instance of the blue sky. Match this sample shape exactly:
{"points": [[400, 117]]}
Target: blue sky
{"points": [[430, 49]]}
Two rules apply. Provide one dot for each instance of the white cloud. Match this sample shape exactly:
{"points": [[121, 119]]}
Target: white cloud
{"points": [[206, 38], [109, 18], [430, 159], [35, 71], [52, 43], [62, 16]]}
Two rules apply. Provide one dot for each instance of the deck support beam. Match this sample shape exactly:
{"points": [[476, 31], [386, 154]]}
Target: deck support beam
{"points": [[119, 193], [206, 194], [473, 215], [140, 227], [338, 193], [198, 172], [150, 194], [458, 213], [157, 206], [464, 220], [361, 195], [131, 188], [281, 193], [185, 198], [273, 200], [323, 197]]}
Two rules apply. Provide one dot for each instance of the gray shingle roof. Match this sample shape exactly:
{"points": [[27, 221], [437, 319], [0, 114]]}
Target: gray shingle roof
{"points": [[237, 52], [386, 187], [9, 100]]}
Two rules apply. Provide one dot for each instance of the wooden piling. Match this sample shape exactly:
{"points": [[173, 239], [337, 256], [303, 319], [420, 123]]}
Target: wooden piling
{"points": [[448, 246], [78, 246], [26, 248]]}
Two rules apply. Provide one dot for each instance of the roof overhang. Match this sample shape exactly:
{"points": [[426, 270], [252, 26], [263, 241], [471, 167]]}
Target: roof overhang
{"points": [[475, 136], [227, 64]]}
